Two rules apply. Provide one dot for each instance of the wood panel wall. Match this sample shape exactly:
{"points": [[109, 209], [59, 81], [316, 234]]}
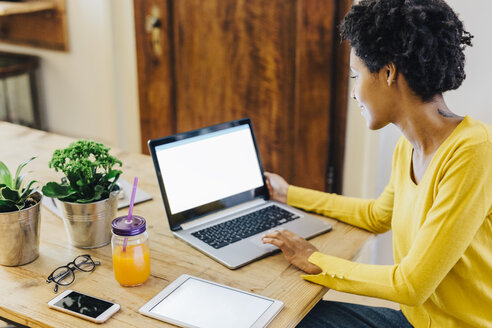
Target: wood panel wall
{"points": [[274, 61]]}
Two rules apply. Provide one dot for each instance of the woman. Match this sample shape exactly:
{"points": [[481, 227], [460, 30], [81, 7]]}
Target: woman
{"points": [[404, 55]]}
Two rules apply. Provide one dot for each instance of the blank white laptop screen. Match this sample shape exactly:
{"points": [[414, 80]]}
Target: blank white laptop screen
{"points": [[206, 305], [206, 168]]}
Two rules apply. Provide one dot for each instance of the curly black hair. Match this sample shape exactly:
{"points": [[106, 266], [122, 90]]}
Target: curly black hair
{"points": [[423, 38]]}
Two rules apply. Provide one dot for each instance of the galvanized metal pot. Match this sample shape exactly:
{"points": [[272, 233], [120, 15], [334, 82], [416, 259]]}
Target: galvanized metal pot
{"points": [[19, 234], [89, 225]]}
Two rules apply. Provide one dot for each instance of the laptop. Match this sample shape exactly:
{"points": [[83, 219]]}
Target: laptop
{"points": [[215, 194]]}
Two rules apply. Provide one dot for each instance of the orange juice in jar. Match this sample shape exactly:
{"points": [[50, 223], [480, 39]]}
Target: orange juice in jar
{"points": [[131, 256]]}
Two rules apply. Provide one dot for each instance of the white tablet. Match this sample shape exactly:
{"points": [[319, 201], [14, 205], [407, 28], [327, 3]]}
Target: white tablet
{"points": [[193, 302]]}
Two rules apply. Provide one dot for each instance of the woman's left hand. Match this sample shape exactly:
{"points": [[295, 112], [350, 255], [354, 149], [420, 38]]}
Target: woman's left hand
{"points": [[296, 249]]}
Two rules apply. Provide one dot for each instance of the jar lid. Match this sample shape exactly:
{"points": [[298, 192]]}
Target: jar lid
{"points": [[122, 228]]}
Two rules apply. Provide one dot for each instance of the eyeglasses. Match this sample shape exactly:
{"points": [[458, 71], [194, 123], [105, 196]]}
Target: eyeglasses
{"points": [[64, 275]]}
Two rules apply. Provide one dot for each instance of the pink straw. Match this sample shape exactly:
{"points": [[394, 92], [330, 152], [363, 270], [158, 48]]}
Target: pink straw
{"points": [[129, 219]]}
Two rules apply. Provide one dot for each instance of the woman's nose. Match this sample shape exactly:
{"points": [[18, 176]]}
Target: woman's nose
{"points": [[353, 94]]}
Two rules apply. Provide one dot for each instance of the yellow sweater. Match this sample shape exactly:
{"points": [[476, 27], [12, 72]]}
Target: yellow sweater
{"points": [[442, 233]]}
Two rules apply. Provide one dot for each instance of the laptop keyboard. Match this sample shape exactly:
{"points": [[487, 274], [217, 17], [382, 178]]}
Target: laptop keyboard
{"points": [[229, 232]]}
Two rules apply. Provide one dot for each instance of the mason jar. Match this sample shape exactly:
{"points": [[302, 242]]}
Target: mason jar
{"points": [[131, 254]]}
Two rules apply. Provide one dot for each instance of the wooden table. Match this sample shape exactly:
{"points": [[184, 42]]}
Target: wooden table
{"points": [[24, 292]]}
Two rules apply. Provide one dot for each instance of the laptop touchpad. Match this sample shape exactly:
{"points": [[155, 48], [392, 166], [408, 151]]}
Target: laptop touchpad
{"points": [[258, 242]]}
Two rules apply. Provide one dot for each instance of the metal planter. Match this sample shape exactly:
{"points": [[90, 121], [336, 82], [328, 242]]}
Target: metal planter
{"points": [[19, 234], [89, 225]]}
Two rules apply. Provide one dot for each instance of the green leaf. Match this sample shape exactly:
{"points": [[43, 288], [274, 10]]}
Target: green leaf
{"points": [[28, 191], [116, 175], [6, 202], [7, 206], [20, 206], [19, 169], [19, 182], [72, 179], [10, 194], [4, 209], [97, 195], [5, 177], [56, 190], [85, 201], [98, 191], [112, 174]]}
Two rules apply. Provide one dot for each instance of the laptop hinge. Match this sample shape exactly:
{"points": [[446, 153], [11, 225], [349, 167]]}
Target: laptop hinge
{"points": [[223, 213]]}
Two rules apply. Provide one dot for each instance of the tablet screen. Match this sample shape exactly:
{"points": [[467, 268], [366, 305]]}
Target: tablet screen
{"points": [[205, 304]]}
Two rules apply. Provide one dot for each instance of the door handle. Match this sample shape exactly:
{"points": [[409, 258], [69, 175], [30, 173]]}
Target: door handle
{"points": [[153, 26]]}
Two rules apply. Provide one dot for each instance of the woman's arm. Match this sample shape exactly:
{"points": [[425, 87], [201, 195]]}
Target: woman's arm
{"points": [[369, 214], [461, 206], [372, 215]]}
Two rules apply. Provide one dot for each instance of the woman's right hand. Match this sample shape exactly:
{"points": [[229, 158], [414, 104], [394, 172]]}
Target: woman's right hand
{"points": [[277, 187]]}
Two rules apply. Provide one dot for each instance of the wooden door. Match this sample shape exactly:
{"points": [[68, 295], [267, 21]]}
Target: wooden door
{"points": [[279, 62]]}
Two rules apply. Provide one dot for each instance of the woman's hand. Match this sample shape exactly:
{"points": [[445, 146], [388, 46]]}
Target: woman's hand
{"points": [[296, 249], [277, 187]]}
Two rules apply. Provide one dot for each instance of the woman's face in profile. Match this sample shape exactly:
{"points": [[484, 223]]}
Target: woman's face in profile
{"points": [[370, 93]]}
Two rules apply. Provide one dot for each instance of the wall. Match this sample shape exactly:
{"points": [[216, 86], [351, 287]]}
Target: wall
{"points": [[91, 90], [374, 149]]}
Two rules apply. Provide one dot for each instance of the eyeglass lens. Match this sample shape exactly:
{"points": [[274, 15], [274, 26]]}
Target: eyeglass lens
{"points": [[63, 276], [84, 263]]}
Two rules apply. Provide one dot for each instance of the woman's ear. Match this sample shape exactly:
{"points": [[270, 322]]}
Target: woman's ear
{"points": [[391, 73]]}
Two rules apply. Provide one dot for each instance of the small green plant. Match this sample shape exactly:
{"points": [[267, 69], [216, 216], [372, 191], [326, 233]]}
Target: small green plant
{"points": [[13, 195], [89, 173]]}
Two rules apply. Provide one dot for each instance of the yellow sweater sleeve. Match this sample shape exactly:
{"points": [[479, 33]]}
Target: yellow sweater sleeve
{"points": [[372, 215], [460, 202]]}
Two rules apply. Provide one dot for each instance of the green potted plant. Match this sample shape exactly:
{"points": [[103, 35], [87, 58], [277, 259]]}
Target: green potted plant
{"points": [[19, 217], [88, 193]]}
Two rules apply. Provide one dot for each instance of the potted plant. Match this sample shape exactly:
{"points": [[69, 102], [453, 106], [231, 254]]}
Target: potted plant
{"points": [[88, 193], [19, 217]]}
